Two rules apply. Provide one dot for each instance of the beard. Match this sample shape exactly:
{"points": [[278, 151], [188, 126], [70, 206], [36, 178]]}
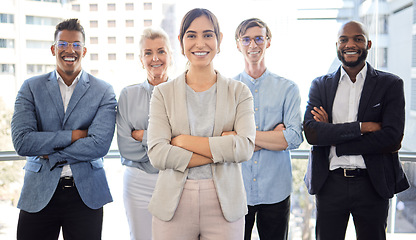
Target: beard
{"points": [[360, 59]]}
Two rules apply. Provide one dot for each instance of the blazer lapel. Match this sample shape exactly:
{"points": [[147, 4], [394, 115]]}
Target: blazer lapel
{"points": [[181, 108], [82, 87], [220, 109], [55, 93], [368, 88]]}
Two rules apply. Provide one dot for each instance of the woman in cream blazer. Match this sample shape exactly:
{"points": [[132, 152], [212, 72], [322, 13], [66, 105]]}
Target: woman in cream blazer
{"points": [[169, 120]]}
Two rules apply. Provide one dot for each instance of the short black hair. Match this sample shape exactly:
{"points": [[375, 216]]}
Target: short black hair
{"points": [[70, 25]]}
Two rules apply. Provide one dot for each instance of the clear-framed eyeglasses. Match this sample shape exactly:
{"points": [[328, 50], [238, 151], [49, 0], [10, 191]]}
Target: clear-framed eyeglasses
{"points": [[63, 45], [259, 40]]}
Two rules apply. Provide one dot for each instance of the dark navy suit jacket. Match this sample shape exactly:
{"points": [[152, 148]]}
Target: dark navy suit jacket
{"points": [[382, 100]]}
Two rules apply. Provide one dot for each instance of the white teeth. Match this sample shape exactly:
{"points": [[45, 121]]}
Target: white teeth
{"points": [[200, 53], [155, 66], [350, 53], [69, 59], [253, 52]]}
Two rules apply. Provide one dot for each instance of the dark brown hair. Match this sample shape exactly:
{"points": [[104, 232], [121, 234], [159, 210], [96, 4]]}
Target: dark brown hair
{"points": [[191, 16]]}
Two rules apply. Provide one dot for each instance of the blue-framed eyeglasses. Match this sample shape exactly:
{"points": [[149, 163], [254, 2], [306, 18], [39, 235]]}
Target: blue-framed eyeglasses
{"points": [[63, 45], [257, 39]]}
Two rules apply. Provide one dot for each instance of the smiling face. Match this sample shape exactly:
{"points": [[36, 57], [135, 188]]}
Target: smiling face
{"points": [[254, 53], [352, 45], [68, 61], [200, 44], [155, 58]]}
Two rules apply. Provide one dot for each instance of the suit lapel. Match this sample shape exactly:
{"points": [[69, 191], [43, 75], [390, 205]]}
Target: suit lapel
{"points": [[82, 87], [368, 88], [55, 93], [333, 86]]}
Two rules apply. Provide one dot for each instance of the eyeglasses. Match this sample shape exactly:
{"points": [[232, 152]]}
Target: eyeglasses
{"points": [[62, 45], [247, 40]]}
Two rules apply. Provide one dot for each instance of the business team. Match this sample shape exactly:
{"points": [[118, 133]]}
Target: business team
{"points": [[64, 123]]}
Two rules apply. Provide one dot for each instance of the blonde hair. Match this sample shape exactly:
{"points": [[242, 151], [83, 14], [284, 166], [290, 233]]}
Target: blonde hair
{"points": [[153, 33]]}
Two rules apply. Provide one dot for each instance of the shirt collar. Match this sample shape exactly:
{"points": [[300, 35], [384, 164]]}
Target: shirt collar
{"points": [[60, 79], [360, 76], [149, 87], [263, 76]]}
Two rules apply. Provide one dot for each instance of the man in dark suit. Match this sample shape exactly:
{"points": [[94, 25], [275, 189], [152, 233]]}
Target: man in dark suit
{"points": [[355, 122], [64, 122]]}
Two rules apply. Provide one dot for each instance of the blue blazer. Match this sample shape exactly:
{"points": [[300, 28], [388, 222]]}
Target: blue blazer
{"points": [[40, 126], [382, 100]]}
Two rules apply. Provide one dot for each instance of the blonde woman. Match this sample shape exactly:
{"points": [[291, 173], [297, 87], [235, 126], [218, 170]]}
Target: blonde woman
{"points": [[132, 121]]}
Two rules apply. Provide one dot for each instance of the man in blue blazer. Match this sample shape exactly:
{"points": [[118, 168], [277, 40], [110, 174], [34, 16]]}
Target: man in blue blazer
{"points": [[355, 122], [64, 123]]}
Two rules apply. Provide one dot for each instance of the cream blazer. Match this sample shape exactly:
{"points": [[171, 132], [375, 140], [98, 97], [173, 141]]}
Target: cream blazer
{"points": [[168, 118]]}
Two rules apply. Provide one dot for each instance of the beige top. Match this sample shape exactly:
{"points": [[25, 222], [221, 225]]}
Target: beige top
{"points": [[168, 118]]}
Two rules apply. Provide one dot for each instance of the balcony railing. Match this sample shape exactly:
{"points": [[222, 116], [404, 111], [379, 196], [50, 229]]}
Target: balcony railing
{"points": [[401, 222]]}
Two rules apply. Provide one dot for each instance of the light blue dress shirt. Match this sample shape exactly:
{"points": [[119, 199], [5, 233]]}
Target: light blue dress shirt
{"points": [[133, 114], [268, 174]]}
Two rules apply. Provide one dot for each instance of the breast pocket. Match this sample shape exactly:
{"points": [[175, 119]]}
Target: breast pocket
{"points": [[273, 117], [374, 112]]}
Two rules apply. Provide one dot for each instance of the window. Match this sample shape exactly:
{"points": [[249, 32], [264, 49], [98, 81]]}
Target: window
{"points": [[129, 39], [147, 22], [39, 68], [76, 7], [111, 40], [94, 56], [38, 44], [414, 49], [111, 7], [111, 56], [7, 69], [129, 23], [111, 23], [93, 40], [129, 6], [6, 18], [382, 57], [93, 24], [93, 7], [6, 43], [44, 21], [147, 6], [129, 56], [413, 95]]}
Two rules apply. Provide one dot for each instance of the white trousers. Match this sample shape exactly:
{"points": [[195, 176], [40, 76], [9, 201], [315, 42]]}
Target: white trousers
{"points": [[138, 188], [198, 217]]}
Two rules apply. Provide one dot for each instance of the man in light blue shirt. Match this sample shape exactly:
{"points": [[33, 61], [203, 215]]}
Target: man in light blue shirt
{"points": [[268, 175]]}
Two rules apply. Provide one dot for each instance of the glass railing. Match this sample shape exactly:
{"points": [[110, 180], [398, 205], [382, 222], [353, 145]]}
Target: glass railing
{"points": [[401, 222]]}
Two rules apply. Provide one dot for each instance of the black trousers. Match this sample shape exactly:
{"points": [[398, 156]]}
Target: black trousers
{"points": [[67, 210], [272, 220], [342, 196]]}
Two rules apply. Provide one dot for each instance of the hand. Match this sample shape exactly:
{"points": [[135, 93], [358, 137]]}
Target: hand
{"points": [[257, 148], [137, 135], [367, 127], [320, 115], [78, 134], [228, 133], [177, 141], [280, 127]]}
